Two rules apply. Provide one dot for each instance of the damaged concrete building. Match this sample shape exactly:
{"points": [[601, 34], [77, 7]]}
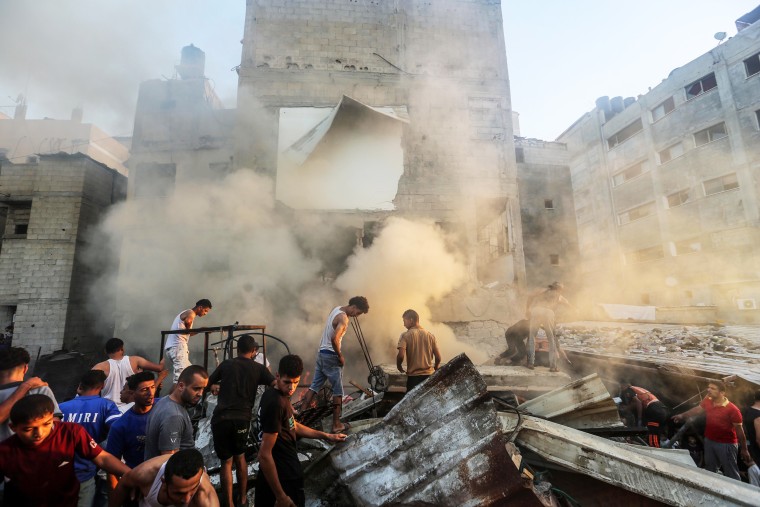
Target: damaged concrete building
{"points": [[404, 106], [666, 191]]}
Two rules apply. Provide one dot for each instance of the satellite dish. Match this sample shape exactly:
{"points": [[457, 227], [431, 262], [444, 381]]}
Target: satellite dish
{"points": [[719, 36]]}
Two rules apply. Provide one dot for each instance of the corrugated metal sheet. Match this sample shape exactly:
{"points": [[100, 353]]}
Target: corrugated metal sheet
{"points": [[441, 445]]}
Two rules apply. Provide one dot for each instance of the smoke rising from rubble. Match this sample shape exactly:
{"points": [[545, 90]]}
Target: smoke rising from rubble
{"points": [[224, 242], [92, 53]]}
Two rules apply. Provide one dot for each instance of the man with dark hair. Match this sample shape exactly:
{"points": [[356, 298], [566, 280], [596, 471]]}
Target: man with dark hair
{"points": [[540, 310], [647, 409], [179, 479], [280, 479], [95, 415], [420, 348], [127, 436], [236, 381], [14, 364], [176, 348], [169, 428], [118, 367], [38, 461], [752, 428], [724, 435], [330, 361]]}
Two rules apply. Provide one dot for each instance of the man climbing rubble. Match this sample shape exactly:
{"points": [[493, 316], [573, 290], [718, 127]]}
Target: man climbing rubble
{"points": [[176, 346], [540, 310], [330, 361], [647, 409]]}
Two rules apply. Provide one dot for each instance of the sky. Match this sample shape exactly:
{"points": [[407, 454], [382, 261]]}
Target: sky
{"points": [[562, 55]]}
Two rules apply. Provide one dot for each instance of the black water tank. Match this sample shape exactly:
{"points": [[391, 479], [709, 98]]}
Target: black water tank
{"points": [[192, 65]]}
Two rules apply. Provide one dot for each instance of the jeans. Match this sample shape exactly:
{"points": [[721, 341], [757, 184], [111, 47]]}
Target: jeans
{"points": [[179, 357], [328, 368]]}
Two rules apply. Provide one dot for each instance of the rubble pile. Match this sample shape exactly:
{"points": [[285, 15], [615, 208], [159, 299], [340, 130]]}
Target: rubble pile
{"points": [[689, 341]]}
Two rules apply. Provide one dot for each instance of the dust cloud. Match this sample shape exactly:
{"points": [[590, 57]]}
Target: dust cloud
{"points": [[226, 242]]}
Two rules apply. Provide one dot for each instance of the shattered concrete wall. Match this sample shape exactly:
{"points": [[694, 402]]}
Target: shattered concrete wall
{"points": [[52, 207], [665, 188], [446, 62]]}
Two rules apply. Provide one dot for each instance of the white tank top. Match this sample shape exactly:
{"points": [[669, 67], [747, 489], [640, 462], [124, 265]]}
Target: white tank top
{"points": [[329, 331], [151, 499], [174, 339], [117, 376]]}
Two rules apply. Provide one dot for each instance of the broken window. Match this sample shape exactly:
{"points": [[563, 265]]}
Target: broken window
{"points": [[710, 134], [664, 108], [699, 87], [717, 185], [651, 253], [687, 246], [678, 198], [671, 152], [636, 213], [549, 203], [629, 173], [752, 65], [625, 133], [154, 180], [554, 259]]}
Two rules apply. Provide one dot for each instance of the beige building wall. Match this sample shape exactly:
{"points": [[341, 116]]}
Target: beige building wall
{"points": [[666, 188], [445, 62]]}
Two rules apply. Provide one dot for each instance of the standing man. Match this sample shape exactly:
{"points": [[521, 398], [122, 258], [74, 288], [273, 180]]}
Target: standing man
{"points": [[724, 434], [330, 359], [38, 461], [176, 344], [127, 436], [236, 381], [420, 348], [647, 409], [169, 427], [95, 415], [179, 479], [280, 481], [752, 428], [118, 367], [14, 364], [540, 310]]}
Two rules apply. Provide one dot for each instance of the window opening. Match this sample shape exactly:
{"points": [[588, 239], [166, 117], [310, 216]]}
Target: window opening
{"points": [[625, 133], [699, 87], [554, 259], [629, 173], [636, 213], [752, 65], [678, 198], [671, 152], [710, 134], [664, 108], [549, 203], [717, 185]]}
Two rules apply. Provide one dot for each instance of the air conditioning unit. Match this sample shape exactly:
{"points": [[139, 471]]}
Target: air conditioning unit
{"points": [[746, 304]]}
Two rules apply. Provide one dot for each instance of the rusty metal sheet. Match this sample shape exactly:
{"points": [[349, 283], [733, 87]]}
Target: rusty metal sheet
{"points": [[442, 444]]}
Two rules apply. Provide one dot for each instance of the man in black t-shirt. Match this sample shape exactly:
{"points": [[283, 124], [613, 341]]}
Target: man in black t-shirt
{"points": [[280, 479], [236, 381]]}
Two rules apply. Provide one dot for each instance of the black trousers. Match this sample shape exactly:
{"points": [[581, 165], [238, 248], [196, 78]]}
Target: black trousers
{"points": [[265, 497], [414, 381]]}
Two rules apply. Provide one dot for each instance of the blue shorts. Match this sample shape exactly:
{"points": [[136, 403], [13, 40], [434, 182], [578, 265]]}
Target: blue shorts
{"points": [[328, 368]]}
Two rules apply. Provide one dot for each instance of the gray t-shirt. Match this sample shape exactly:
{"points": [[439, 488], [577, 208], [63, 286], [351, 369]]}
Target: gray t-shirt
{"points": [[8, 389], [168, 428]]}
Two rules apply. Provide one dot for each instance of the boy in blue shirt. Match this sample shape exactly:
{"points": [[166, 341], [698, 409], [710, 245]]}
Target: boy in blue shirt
{"points": [[127, 437], [96, 415]]}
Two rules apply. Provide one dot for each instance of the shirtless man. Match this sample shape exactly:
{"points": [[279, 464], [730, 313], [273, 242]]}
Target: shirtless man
{"points": [[176, 348], [330, 359], [169, 479], [118, 367]]}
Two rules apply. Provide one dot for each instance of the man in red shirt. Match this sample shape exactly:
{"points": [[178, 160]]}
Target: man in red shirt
{"points": [[724, 434], [38, 461]]}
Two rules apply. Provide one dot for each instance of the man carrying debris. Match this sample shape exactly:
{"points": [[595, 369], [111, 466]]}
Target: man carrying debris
{"points": [[176, 348], [540, 310], [236, 381], [118, 367], [647, 409], [330, 361], [280, 481], [420, 348], [724, 434]]}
